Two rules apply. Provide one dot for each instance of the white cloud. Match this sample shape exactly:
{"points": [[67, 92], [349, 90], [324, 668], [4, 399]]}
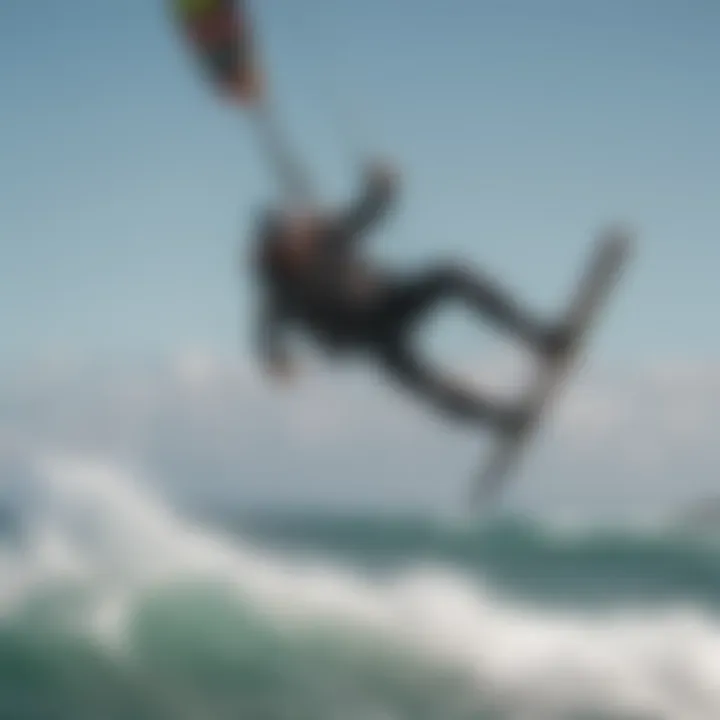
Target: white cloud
{"points": [[206, 426]]}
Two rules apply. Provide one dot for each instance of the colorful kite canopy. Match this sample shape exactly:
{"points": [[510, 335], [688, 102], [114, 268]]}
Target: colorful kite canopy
{"points": [[219, 33]]}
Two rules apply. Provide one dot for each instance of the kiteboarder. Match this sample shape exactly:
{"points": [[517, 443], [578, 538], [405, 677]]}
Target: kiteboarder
{"points": [[312, 278]]}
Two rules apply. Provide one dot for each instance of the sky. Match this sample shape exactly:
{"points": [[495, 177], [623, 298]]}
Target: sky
{"points": [[127, 190]]}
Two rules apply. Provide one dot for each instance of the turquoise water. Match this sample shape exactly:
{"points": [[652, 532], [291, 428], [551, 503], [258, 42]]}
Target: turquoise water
{"points": [[113, 605]]}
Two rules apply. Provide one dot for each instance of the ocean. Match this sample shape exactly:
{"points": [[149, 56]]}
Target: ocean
{"points": [[115, 604]]}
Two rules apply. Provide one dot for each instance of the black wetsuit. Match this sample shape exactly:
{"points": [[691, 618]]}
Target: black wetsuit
{"points": [[347, 306]]}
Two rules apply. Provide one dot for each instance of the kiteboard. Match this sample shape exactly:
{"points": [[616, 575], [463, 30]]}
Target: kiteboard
{"points": [[596, 283]]}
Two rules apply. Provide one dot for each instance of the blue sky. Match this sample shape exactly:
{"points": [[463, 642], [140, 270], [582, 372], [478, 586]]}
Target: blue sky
{"points": [[127, 189], [519, 126]]}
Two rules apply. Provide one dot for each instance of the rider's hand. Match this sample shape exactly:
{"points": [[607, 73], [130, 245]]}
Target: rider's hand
{"points": [[382, 173], [281, 370]]}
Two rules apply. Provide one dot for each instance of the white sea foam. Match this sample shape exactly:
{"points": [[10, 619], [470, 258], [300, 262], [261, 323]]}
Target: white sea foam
{"points": [[96, 525]]}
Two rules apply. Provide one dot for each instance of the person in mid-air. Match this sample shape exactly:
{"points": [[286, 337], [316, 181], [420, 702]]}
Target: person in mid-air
{"points": [[312, 278]]}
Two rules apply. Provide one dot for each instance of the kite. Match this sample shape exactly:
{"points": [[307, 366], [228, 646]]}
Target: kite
{"points": [[220, 35]]}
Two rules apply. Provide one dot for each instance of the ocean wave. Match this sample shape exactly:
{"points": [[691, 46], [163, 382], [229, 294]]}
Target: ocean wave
{"points": [[114, 604], [599, 565]]}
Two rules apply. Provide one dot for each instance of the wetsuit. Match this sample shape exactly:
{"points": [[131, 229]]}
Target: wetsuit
{"points": [[347, 306]]}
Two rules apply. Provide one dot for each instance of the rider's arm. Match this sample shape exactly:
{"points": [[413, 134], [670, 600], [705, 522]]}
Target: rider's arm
{"points": [[269, 339], [372, 205]]}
